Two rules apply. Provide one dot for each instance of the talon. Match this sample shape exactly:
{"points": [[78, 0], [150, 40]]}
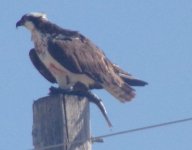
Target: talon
{"points": [[55, 91]]}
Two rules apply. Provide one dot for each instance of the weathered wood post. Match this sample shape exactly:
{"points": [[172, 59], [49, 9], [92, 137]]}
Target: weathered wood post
{"points": [[61, 122]]}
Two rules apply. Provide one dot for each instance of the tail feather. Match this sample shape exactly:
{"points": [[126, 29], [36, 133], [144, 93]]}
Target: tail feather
{"points": [[128, 78], [132, 81], [119, 84], [123, 93]]}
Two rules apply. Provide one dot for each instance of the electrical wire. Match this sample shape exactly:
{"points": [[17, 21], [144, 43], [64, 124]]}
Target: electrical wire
{"points": [[101, 137]]}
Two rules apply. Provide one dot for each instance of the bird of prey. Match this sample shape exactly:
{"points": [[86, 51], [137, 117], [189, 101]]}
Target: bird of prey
{"points": [[71, 60]]}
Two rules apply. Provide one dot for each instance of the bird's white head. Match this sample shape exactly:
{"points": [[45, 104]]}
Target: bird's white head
{"points": [[32, 20], [37, 14]]}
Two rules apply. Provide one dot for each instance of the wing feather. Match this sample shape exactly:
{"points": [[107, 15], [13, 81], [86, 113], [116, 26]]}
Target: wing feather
{"points": [[80, 57], [40, 66], [83, 57]]}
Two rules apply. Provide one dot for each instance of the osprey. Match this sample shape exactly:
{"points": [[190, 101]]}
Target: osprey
{"points": [[68, 58]]}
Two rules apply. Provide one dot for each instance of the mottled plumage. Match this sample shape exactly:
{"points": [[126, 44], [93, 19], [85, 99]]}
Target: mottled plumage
{"points": [[67, 57]]}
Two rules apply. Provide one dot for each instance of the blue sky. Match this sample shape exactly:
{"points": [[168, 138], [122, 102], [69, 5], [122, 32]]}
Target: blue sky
{"points": [[149, 39]]}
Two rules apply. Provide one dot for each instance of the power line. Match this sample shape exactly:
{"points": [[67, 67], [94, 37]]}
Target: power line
{"points": [[100, 138], [143, 128]]}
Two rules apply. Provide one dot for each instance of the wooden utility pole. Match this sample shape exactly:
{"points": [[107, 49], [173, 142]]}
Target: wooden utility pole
{"points": [[61, 122]]}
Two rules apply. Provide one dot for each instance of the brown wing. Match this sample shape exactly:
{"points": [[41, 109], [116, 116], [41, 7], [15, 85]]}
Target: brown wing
{"points": [[83, 57], [40, 66]]}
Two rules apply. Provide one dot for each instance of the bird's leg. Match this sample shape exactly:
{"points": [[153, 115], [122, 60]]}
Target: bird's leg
{"points": [[55, 91], [77, 89]]}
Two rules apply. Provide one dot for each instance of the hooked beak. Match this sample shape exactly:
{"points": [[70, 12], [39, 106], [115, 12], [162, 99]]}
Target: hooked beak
{"points": [[19, 23]]}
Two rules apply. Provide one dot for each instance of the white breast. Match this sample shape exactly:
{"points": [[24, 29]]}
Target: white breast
{"points": [[65, 78]]}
